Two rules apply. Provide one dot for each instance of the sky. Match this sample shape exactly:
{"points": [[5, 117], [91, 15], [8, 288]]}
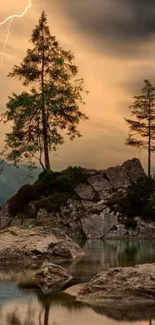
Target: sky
{"points": [[114, 46]]}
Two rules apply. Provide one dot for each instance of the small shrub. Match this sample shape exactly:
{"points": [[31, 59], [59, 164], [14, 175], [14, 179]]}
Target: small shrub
{"points": [[51, 190], [130, 223], [138, 200], [53, 202], [19, 201]]}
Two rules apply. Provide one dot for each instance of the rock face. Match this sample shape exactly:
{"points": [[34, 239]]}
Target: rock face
{"points": [[85, 213], [118, 177], [98, 225], [85, 191], [144, 229], [51, 277], [134, 169], [121, 286], [32, 246]]}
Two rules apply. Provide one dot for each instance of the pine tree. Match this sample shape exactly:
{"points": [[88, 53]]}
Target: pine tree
{"points": [[142, 129], [52, 104]]}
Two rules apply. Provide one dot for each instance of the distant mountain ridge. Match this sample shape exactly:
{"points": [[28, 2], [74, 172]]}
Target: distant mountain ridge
{"points": [[12, 178]]}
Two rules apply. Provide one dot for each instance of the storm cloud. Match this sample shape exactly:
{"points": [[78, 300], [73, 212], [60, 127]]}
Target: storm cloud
{"points": [[117, 21], [114, 46]]}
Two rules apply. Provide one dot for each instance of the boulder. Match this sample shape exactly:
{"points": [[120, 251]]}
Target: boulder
{"points": [[99, 183], [134, 169], [118, 177], [122, 286], [66, 249], [98, 225], [32, 246], [51, 277], [85, 191]]}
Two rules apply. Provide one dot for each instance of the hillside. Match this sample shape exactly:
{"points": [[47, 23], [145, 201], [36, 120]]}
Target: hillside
{"points": [[12, 178]]}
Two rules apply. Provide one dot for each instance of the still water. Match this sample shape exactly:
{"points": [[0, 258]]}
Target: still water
{"points": [[29, 307]]}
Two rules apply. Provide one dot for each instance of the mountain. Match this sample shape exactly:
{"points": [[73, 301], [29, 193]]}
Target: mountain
{"points": [[12, 178]]}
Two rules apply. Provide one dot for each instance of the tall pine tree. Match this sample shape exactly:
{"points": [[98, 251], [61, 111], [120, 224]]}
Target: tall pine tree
{"points": [[142, 128], [52, 104]]}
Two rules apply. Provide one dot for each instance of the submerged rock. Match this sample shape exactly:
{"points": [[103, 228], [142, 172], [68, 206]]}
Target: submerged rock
{"points": [[51, 277]]}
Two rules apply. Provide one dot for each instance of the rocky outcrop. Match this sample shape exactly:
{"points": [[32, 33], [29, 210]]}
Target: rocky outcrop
{"points": [[134, 169], [30, 247], [120, 286], [51, 277], [85, 213]]}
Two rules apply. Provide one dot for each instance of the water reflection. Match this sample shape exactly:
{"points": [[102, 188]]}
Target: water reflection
{"points": [[101, 255], [31, 307], [63, 310]]}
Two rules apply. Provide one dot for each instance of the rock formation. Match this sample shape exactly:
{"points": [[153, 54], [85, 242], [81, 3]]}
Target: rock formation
{"points": [[85, 213]]}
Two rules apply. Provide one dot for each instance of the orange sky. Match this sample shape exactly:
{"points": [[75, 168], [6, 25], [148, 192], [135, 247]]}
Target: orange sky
{"points": [[112, 63]]}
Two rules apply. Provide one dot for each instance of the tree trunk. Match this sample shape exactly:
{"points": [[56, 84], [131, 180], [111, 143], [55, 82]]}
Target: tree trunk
{"points": [[46, 315], [44, 116], [149, 140]]}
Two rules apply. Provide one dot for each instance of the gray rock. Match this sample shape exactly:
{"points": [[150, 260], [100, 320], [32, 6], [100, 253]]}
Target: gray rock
{"points": [[85, 191], [51, 277], [121, 285], [99, 183], [75, 203], [74, 229], [104, 195], [98, 225], [5, 216], [144, 229], [117, 176], [98, 207], [134, 169], [87, 204], [118, 231]]}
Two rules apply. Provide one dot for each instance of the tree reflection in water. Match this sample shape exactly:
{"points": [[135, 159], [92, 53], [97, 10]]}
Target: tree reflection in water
{"points": [[57, 299], [13, 319]]}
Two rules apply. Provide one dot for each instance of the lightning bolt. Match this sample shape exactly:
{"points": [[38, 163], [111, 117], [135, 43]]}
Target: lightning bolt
{"points": [[9, 19], [5, 43]]}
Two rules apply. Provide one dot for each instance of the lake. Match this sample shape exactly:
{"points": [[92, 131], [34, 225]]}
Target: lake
{"points": [[30, 307]]}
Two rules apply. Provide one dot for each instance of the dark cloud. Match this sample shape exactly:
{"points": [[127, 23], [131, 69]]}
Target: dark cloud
{"points": [[121, 21], [136, 76]]}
